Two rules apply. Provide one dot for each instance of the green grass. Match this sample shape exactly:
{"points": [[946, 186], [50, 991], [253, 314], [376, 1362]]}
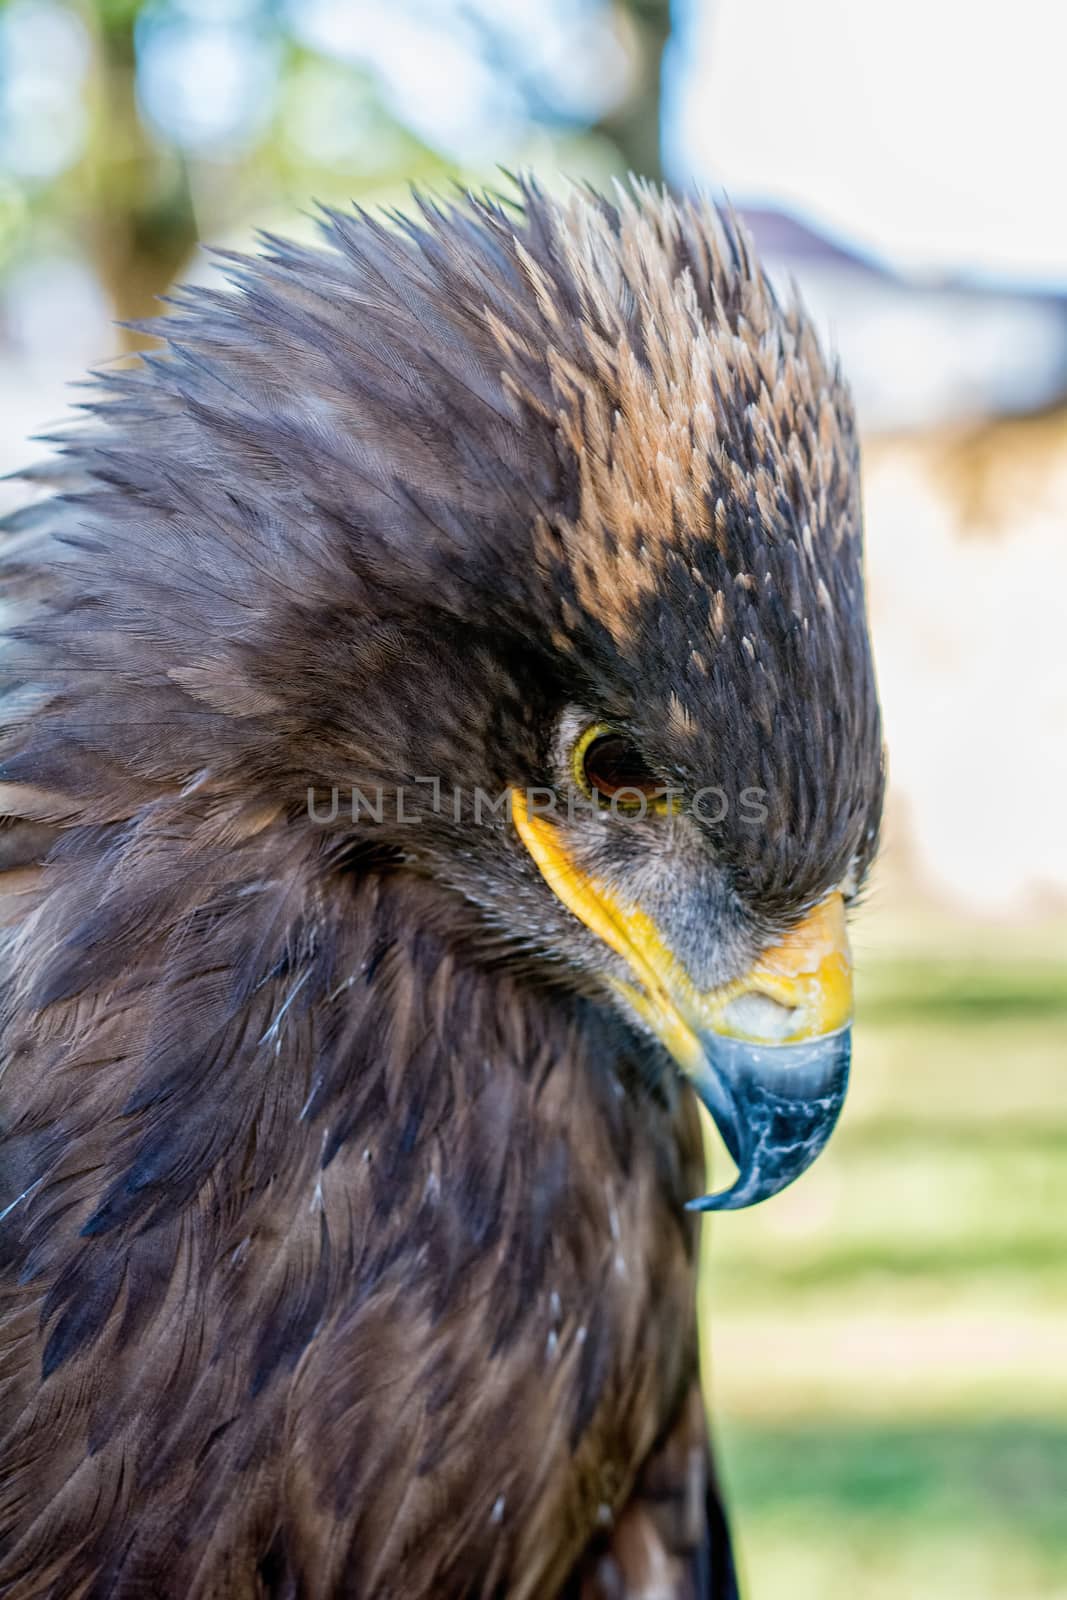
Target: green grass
{"points": [[964, 992], [902, 1510], [888, 1339]]}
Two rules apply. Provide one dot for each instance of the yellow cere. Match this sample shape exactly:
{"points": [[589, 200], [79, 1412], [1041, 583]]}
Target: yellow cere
{"points": [[800, 989]]}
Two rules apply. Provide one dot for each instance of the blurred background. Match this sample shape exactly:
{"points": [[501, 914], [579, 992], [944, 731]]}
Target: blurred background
{"points": [[889, 1354]]}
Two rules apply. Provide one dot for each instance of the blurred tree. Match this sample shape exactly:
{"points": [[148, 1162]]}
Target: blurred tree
{"points": [[634, 125], [625, 47], [186, 118], [137, 217]]}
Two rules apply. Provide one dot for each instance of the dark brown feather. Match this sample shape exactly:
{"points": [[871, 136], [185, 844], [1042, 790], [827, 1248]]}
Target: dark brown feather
{"points": [[355, 1258]]}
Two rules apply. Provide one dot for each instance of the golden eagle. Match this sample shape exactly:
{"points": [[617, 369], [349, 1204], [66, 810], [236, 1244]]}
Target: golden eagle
{"points": [[439, 729]]}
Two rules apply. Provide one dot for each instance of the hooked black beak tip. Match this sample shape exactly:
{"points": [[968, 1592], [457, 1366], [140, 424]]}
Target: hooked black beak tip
{"points": [[775, 1105]]}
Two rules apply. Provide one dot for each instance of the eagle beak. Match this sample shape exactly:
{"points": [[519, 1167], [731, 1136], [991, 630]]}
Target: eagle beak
{"points": [[775, 1106], [768, 1054]]}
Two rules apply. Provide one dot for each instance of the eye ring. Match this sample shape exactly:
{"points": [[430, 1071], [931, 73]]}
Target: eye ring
{"points": [[609, 769]]}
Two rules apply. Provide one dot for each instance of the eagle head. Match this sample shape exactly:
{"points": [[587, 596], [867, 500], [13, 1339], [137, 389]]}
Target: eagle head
{"points": [[517, 550]]}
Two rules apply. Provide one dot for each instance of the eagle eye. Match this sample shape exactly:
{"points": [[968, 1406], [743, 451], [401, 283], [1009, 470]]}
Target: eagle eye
{"points": [[609, 767]]}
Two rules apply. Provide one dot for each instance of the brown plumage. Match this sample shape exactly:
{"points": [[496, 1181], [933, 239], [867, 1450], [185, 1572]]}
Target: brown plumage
{"points": [[344, 1250]]}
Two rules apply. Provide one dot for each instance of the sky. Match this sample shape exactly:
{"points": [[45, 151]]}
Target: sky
{"points": [[933, 131]]}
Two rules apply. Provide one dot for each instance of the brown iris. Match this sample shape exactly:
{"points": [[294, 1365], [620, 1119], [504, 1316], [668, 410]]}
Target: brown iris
{"points": [[610, 767]]}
